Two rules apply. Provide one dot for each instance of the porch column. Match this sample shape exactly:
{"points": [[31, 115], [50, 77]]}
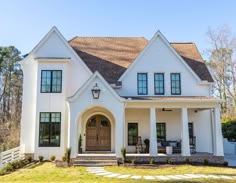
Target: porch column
{"points": [[119, 131], [185, 134], [153, 137], [218, 138], [72, 134]]}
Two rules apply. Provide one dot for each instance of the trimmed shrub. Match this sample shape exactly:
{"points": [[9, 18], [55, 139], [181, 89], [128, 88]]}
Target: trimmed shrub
{"points": [[53, 158], [2, 172], [67, 155], [8, 167], [225, 163], [169, 161], [187, 161], [63, 158], [41, 158], [29, 158], [151, 161], [133, 161], [123, 152], [206, 162]]}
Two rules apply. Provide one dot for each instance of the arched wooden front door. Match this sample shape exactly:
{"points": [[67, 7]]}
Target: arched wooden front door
{"points": [[98, 134]]}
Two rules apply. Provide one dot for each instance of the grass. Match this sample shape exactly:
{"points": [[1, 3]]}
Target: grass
{"points": [[47, 172], [174, 170]]}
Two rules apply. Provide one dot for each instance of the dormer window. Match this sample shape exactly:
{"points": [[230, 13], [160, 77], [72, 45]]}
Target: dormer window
{"points": [[175, 83], [142, 84], [51, 81]]}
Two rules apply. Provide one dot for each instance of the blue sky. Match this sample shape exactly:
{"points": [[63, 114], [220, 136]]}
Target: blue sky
{"points": [[23, 23]]}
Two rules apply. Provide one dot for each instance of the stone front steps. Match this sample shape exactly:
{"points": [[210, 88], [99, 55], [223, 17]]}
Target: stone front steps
{"points": [[95, 162]]}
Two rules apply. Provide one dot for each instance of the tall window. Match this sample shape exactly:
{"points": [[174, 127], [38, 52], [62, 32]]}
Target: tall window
{"points": [[175, 84], [142, 84], [51, 81], [190, 129], [161, 132], [132, 133], [49, 129], [159, 83]]}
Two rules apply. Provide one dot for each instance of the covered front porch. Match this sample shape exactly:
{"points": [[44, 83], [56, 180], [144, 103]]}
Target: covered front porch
{"points": [[174, 127]]}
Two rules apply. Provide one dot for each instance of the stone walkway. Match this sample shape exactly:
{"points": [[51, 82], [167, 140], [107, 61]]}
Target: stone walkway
{"points": [[100, 171]]}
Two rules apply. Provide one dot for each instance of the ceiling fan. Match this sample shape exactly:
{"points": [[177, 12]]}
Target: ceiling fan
{"points": [[163, 109]]}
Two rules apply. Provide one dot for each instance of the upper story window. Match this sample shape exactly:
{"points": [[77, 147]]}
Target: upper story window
{"points": [[159, 84], [142, 84], [51, 81], [175, 84]]}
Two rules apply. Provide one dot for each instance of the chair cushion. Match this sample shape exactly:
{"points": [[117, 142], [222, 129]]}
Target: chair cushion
{"points": [[173, 143], [165, 143]]}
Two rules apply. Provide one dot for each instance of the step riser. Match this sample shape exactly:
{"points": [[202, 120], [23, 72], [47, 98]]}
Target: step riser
{"points": [[95, 158], [95, 162]]}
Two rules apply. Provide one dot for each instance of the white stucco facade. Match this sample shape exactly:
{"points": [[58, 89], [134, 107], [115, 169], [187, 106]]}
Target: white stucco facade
{"points": [[77, 105]]}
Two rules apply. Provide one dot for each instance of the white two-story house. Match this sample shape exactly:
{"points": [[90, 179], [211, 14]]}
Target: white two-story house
{"points": [[115, 92]]}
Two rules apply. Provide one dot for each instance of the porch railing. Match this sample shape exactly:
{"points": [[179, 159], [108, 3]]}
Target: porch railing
{"points": [[10, 156]]}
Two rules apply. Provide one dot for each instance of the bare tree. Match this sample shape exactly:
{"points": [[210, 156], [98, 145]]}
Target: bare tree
{"points": [[222, 63], [10, 97]]}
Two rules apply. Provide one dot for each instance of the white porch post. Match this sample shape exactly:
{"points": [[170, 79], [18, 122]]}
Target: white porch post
{"points": [[153, 137], [72, 135], [185, 134], [218, 138], [119, 132]]}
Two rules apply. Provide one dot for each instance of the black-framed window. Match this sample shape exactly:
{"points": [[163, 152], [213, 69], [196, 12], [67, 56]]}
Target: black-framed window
{"points": [[175, 83], [159, 84], [142, 83], [49, 129], [190, 129], [161, 132], [51, 81], [132, 133]]}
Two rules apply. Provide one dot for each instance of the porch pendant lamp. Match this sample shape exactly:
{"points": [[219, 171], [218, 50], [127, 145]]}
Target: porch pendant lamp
{"points": [[96, 91]]}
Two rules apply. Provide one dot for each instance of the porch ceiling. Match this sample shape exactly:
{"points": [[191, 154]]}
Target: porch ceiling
{"points": [[171, 101]]}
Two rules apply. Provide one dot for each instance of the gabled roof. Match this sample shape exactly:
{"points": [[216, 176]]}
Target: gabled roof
{"points": [[53, 30], [88, 83], [111, 56]]}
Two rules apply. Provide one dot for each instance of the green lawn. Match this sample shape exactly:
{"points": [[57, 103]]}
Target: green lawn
{"points": [[174, 170], [47, 172]]}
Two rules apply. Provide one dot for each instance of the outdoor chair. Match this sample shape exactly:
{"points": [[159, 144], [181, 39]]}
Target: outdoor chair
{"points": [[192, 144], [140, 146]]}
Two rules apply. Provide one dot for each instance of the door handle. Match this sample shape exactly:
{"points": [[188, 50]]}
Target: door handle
{"points": [[97, 137]]}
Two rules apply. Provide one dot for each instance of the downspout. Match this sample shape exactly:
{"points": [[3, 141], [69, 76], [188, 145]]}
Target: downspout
{"points": [[212, 130]]}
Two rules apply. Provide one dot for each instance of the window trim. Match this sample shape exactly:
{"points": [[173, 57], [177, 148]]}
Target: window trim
{"points": [[51, 71], [146, 83], [163, 74], [163, 123], [179, 84], [128, 132], [39, 145]]}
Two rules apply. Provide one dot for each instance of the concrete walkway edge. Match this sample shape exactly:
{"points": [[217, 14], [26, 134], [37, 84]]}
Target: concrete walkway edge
{"points": [[100, 171]]}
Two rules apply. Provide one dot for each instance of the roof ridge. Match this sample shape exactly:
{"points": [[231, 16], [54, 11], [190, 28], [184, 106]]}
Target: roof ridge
{"points": [[72, 38], [133, 37], [182, 43]]}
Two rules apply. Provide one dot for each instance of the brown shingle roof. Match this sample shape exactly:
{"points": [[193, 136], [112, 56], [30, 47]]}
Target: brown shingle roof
{"points": [[111, 56]]}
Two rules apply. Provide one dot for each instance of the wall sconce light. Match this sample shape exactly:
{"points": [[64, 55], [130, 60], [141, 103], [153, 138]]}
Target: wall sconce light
{"points": [[96, 91]]}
